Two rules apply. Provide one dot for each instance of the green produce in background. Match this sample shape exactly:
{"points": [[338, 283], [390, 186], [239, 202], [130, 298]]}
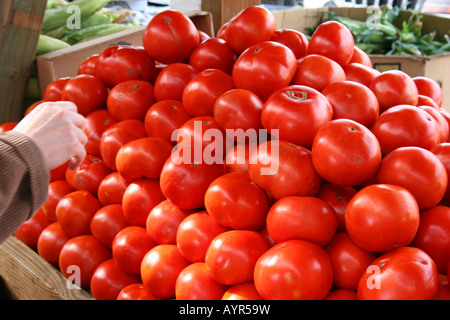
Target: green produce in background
{"points": [[48, 44]]}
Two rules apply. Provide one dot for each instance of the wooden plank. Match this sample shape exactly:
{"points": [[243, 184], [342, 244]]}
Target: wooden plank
{"points": [[27, 276], [20, 24]]}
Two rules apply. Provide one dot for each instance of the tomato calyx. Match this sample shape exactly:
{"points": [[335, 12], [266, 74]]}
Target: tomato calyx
{"points": [[298, 96]]}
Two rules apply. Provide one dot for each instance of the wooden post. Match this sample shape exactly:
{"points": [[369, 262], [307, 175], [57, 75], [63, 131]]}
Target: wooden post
{"points": [[20, 26]]}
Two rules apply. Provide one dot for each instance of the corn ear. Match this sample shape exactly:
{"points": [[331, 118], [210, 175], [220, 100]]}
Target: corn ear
{"points": [[94, 32], [48, 44]]}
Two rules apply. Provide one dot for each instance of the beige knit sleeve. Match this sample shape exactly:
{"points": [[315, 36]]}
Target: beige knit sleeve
{"points": [[24, 179]]}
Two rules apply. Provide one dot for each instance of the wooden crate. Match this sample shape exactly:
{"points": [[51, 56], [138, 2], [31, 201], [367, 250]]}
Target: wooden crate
{"points": [[27, 276]]}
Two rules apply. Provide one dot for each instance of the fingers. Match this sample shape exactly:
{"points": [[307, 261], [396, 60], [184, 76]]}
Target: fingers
{"points": [[79, 155]]}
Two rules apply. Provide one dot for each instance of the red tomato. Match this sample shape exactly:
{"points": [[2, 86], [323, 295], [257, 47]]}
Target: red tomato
{"points": [[442, 151], [136, 291], [121, 63], [444, 288], [360, 73], [139, 199], [109, 279], [406, 273], [172, 80], [433, 235], [143, 158], [75, 211], [7, 126], [349, 261], [88, 65], [440, 119], [360, 56], [203, 36], [346, 152], [195, 283], [54, 89], [56, 190], [342, 294], [293, 39], [79, 258], [237, 158], [96, 123], [284, 169], [232, 255], [297, 112], [30, 230], [354, 101], [382, 217], [333, 40], [265, 68], [249, 27], [309, 219], [170, 37], [107, 222], [130, 100], [116, 136], [406, 125], [393, 88], [195, 233], [294, 270], [50, 243], [163, 118], [87, 92], [130, 246], [430, 88], [160, 269], [235, 201], [242, 291], [163, 222], [213, 53], [202, 91], [422, 174], [317, 72], [59, 173], [427, 101], [112, 188]]}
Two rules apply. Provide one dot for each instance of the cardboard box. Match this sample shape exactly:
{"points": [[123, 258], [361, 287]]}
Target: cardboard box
{"points": [[65, 62], [435, 67]]}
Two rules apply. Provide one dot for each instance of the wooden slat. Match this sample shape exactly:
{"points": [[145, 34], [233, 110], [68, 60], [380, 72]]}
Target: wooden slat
{"points": [[27, 276]]}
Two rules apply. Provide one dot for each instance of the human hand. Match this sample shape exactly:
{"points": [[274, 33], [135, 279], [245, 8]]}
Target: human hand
{"points": [[57, 129]]}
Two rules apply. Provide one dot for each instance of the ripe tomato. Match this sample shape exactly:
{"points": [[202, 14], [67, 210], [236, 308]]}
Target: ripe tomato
{"points": [[160, 269], [121, 63], [109, 279], [213, 53], [349, 261], [139, 199], [442, 151], [112, 188], [354, 101], [444, 288], [440, 119], [297, 112], [130, 246], [309, 219], [202, 91], [75, 211], [116, 136], [242, 291], [264, 68], [54, 89], [56, 190], [333, 40], [59, 173], [422, 174], [430, 88], [107, 222], [79, 258], [232, 255], [293, 39], [427, 101], [143, 158], [195, 233], [235, 201], [360, 56], [30, 230], [170, 37], [249, 27], [96, 123], [130, 100], [136, 291], [346, 152], [237, 158], [406, 273], [87, 92], [172, 80], [394, 88], [317, 72], [360, 73], [433, 235], [382, 217], [7, 126], [294, 270], [88, 65], [50, 243], [284, 169], [195, 283], [406, 125]]}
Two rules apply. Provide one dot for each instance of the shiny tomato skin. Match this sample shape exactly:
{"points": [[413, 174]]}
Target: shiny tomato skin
{"points": [[232, 255], [360, 73], [96, 123], [50, 243], [293, 39], [295, 113], [422, 173], [172, 80], [346, 152], [265, 68], [427, 101], [294, 270], [213, 53], [440, 119], [56, 190], [136, 291], [333, 40], [382, 217], [30, 230], [430, 88], [237, 158], [242, 291], [406, 273], [360, 56], [107, 222], [170, 37], [442, 151], [54, 89], [88, 65], [112, 188]]}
